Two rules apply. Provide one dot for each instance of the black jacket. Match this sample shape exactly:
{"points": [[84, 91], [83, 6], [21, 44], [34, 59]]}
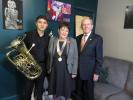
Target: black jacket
{"points": [[40, 50]]}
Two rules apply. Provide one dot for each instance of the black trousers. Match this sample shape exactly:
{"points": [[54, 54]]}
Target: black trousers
{"points": [[38, 83], [84, 90]]}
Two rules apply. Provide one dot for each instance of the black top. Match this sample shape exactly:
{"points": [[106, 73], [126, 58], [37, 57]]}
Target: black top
{"points": [[40, 50]]}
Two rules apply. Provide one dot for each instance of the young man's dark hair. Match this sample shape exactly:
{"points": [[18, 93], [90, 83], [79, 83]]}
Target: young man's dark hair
{"points": [[41, 17]]}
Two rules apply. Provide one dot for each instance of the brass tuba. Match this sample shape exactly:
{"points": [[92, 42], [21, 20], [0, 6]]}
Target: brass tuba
{"points": [[22, 59]]}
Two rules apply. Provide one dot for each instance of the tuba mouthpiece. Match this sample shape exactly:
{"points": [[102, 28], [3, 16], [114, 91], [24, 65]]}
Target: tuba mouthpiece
{"points": [[33, 44]]}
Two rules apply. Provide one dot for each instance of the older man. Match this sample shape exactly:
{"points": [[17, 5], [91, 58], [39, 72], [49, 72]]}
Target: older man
{"points": [[90, 58]]}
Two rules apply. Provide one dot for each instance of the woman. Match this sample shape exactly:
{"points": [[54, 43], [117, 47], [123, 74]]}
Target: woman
{"points": [[63, 62]]}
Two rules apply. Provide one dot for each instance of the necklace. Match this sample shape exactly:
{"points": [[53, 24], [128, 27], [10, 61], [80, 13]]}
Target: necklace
{"points": [[60, 50]]}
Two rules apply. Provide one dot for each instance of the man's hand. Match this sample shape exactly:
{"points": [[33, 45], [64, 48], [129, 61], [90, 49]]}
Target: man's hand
{"points": [[95, 77], [49, 71]]}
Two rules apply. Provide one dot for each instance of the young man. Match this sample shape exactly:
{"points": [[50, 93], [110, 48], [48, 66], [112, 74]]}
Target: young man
{"points": [[39, 52], [90, 58]]}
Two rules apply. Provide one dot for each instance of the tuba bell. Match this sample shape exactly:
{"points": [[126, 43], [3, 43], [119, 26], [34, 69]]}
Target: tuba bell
{"points": [[22, 59]]}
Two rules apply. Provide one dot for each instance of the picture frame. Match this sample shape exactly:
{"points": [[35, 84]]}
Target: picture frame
{"points": [[12, 11], [128, 23]]}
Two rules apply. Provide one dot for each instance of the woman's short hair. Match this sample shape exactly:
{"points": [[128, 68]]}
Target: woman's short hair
{"points": [[64, 24]]}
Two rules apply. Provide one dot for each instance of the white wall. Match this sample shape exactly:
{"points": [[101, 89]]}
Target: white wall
{"points": [[118, 42]]}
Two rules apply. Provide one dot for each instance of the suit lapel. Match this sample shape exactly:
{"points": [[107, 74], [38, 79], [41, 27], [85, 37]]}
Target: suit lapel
{"points": [[79, 41], [54, 45], [68, 44]]}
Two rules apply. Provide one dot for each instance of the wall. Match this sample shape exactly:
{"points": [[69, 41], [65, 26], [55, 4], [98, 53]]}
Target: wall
{"points": [[87, 4], [88, 7], [11, 82], [110, 22]]}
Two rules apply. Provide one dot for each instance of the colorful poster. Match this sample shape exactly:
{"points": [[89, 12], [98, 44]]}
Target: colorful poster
{"points": [[58, 11]]}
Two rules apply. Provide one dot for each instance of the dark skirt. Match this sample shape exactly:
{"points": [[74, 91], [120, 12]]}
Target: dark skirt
{"points": [[60, 79]]}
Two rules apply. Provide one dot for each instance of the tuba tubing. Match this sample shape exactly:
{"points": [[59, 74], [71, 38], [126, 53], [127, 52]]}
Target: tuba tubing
{"points": [[23, 60]]}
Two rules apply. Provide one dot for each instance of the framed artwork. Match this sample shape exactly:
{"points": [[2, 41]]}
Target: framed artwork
{"points": [[58, 11], [128, 17], [12, 14], [78, 19]]}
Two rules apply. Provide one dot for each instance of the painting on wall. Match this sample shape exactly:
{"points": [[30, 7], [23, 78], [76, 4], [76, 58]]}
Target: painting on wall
{"points": [[58, 11], [78, 29], [12, 14], [128, 17]]}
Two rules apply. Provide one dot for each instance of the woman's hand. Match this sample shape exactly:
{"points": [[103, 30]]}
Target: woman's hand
{"points": [[73, 76]]}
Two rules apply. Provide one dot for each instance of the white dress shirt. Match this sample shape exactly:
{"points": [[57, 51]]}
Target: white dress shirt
{"points": [[86, 36]]}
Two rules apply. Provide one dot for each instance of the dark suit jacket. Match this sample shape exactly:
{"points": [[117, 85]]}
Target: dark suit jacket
{"points": [[91, 57]]}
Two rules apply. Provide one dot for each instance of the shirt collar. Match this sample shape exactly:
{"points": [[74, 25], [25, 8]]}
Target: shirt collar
{"points": [[88, 34], [37, 34]]}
